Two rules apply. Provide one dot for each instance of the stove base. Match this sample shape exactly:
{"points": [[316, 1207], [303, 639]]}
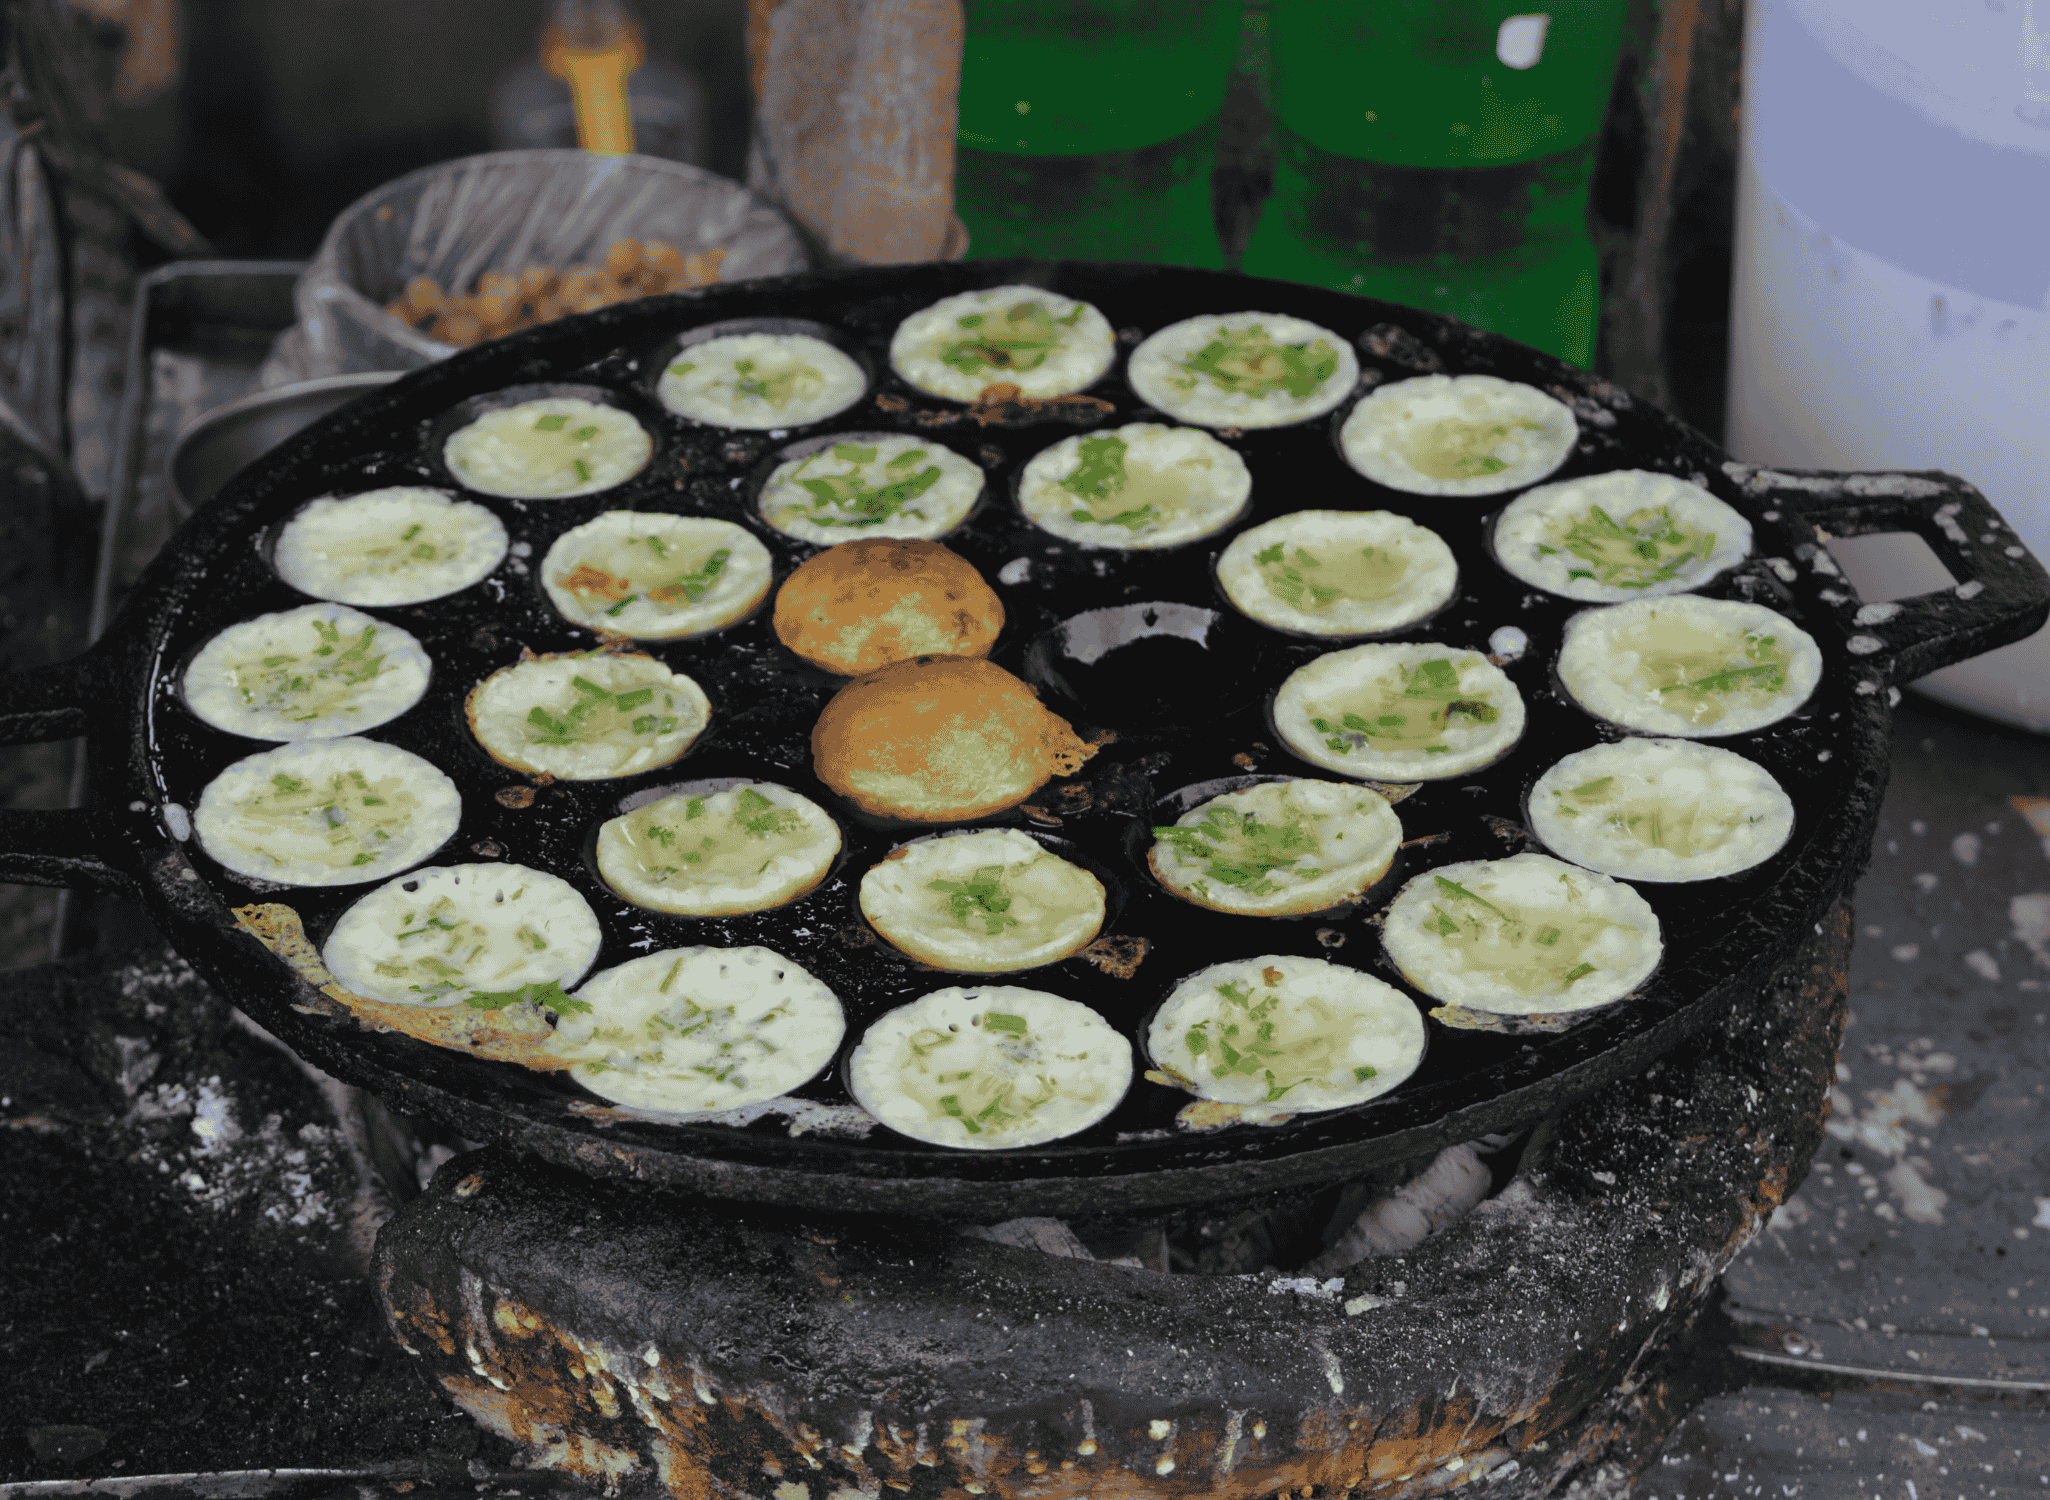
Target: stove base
{"points": [[684, 1344]]}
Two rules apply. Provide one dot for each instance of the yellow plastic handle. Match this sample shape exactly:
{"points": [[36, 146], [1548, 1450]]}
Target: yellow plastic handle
{"points": [[597, 87]]}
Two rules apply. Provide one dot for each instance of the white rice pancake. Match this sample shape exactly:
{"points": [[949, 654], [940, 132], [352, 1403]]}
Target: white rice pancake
{"points": [[760, 380], [1142, 485], [693, 1029], [1458, 435], [1626, 535], [985, 902], [487, 935], [1247, 369], [871, 484], [1293, 1034], [656, 576], [329, 812], [313, 673], [988, 1067], [588, 716], [548, 449], [1407, 711], [1661, 810], [1338, 572], [394, 546], [1278, 849], [717, 854], [1686, 666], [1523, 936], [1041, 342]]}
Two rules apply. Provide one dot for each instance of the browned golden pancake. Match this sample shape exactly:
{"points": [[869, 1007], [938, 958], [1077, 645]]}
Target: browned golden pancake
{"points": [[939, 739], [859, 606]]}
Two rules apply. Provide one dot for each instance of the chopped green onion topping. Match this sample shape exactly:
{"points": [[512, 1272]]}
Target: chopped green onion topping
{"points": [[979, 898], [549, 996]]}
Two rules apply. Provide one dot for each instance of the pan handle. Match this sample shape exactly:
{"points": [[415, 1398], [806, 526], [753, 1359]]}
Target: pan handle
{"points": [[61, 848], [2002, 594]]}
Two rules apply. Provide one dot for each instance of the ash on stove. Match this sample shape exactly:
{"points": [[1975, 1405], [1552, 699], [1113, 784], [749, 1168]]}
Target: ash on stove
{"points": [[187, 1220]]}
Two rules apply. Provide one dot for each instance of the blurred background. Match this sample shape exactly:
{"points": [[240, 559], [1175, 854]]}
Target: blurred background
{"points": [[280, 116], [268, 120]]}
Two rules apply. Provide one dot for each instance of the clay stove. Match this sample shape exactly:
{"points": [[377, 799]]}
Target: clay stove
{"points": [[660, 1342]]}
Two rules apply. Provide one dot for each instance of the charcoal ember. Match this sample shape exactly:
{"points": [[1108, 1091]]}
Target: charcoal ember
{"points": [[630, 1335], [1047, 1236]]}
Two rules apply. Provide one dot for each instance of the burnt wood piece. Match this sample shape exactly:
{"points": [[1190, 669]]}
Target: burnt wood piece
{"points": [[683, 1344]]}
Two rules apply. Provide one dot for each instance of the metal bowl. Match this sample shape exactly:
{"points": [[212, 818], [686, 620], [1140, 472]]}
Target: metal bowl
{"points": [[219, 444]]}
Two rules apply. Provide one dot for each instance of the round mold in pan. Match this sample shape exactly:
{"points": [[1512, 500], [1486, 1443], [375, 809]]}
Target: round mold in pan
{"points": [[1014, 491], [267, 543], [1432, 1034], [1116, 893], [1131, 666], [1830, 760], [627, 399], [1139, 840], [659, 359], [1419, 625], [700, 786], [810, 447]]}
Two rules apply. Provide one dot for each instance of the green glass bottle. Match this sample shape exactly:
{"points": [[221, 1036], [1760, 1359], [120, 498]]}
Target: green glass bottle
{"points": [[1088, 128], [1438, 153]]}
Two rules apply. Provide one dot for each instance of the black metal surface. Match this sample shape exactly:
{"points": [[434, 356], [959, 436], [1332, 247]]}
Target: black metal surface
{"points": [[1722, 937]]}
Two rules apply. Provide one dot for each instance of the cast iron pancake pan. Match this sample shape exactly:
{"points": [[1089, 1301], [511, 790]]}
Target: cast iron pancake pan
{"points": [[1183, 712]]}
